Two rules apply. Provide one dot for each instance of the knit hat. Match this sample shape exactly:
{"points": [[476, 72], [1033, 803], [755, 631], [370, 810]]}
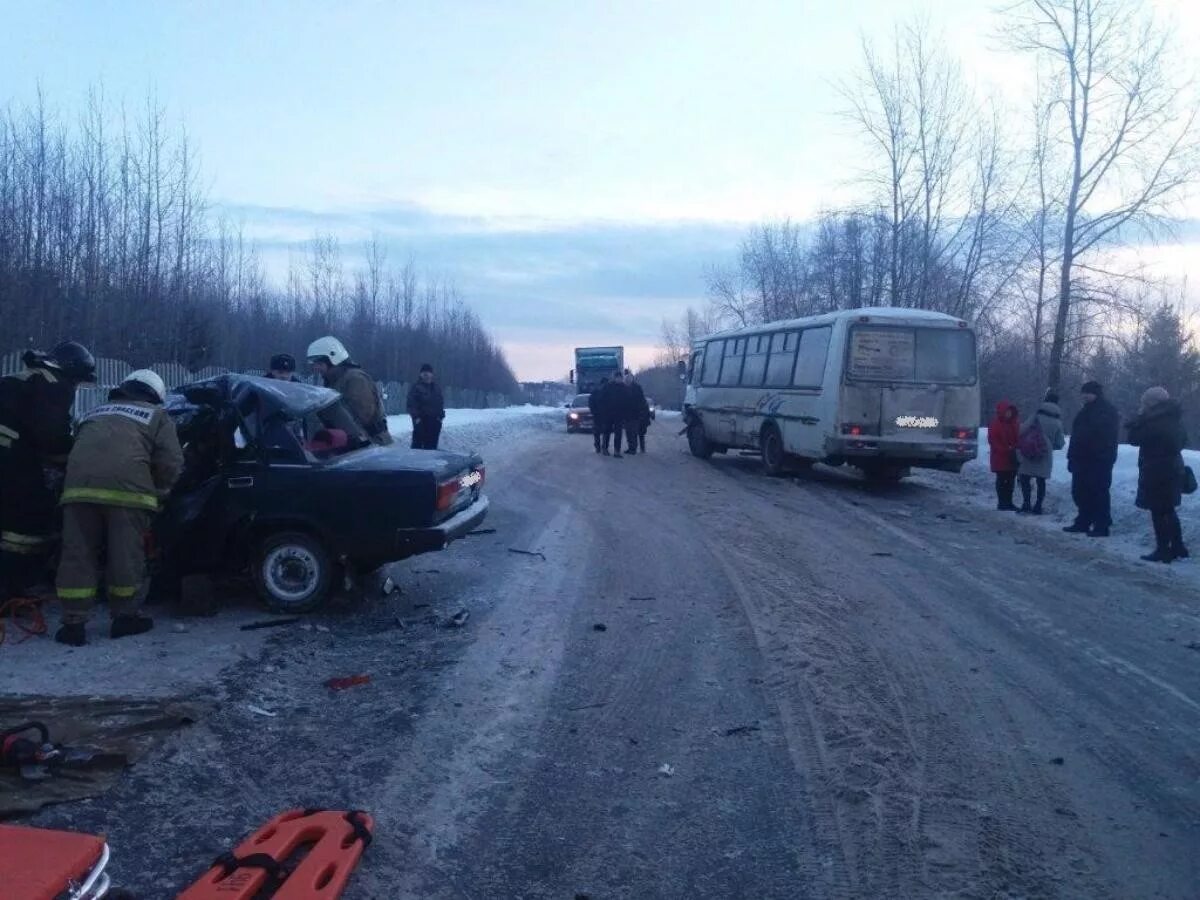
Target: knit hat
{"points": [[426, 367], [283, 362], [1093, 387], [1155, 396]]}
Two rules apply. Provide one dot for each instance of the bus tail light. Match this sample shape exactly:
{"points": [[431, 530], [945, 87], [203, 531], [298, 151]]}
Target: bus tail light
{"points": [[856, 429]]}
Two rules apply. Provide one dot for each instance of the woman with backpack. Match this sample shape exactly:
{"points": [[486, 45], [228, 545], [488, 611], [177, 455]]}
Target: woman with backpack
{"points": [[1035, 449], [1157, 432]]}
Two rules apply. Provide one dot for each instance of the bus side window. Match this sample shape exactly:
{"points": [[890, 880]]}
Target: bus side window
{"points": [[712, 361], [731, 368], [783, 358], [755, 366], [810, 361]]}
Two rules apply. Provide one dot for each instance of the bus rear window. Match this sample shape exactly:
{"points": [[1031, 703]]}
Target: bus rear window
{"points": [[928, 355]]}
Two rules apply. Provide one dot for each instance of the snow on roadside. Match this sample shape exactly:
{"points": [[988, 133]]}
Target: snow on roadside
{"points": [[468, 429], [1131, 532]]}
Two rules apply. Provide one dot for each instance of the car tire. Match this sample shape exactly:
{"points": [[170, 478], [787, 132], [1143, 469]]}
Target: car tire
{"points": [[773, 456], [698, 441], [293, 572]]}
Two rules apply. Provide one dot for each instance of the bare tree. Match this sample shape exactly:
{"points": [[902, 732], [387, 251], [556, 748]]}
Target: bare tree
{"points": [[1125, 126]]}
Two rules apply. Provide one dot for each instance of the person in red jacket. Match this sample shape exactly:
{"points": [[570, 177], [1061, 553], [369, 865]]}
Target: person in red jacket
{"points": [[1004, 433]]}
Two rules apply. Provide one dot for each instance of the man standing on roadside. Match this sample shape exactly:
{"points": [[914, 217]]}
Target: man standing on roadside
{"points": [[1091, 456], [638, 410], [614, 400], [427, 408], [283, 368], [599, 416]]}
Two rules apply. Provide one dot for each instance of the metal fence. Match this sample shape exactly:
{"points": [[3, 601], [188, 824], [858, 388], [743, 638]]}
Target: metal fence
{"points": [[111, 372]]}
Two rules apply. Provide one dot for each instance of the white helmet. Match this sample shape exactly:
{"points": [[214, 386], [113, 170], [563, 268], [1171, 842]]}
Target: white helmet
{"points": [[151, 380], [330, 348]]}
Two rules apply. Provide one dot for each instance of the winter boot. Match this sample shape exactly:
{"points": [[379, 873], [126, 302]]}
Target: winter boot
{"points": [[642, 443], [1077, 528], [1037, 509], [1180, 552], [127, 626], [1161, 555], [72, 634]]}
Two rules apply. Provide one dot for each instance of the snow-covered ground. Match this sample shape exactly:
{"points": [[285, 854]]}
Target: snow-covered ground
{"points": [[468, 429], [1131, 532]]}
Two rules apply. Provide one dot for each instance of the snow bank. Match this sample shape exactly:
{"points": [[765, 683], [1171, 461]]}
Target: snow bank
{"points": [[1131, 532], [467, 429]]}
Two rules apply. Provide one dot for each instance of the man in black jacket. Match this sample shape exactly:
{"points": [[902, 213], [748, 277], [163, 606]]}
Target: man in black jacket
{"points": [[282, 368], [599, 419], [614, 400], [638, 411], [427, 408], [1090, 458]]}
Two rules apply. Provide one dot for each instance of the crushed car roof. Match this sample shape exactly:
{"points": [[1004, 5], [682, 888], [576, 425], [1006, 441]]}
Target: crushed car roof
{"points": [[291, 397]]}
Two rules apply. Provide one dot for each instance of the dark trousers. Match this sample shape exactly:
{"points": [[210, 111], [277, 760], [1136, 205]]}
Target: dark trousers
{"points": [[1027, 488], [612, 436], [29, 523], [1090, 487], [426, 434], [631, 435], [1006, 484], [597, 431], [1168, 532]]}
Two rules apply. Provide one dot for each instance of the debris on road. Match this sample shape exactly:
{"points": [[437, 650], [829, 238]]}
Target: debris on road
{"points": [[1193, 645], [458, 620], [882, 553], [537, 553], [179, 628], [259, 711], [481, 531], [741, 729], [390, 587], [340, 684], [323, 629], [666, 769], [587, 706], [270, 623], [1057, 761], [642, 599], [599, 626]]}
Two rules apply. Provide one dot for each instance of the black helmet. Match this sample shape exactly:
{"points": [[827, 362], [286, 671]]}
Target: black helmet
{"points": [[283, 362], [74, 360]]}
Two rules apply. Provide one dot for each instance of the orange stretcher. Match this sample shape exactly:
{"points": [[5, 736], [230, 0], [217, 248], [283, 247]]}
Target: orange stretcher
{"points": [[40, 864], [273, 861]]}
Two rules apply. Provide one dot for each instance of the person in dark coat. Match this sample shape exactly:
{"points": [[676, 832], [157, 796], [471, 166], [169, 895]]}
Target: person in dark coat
{"points": [[1158, 432], [35, 438], [428, 409], [1091, 456], [1004, 433], [282, 368], [638, 410], [614, 400], [599, 420]]}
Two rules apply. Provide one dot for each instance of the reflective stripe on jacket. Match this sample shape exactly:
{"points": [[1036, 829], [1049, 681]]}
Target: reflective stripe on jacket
{"points": [[126, 454]]}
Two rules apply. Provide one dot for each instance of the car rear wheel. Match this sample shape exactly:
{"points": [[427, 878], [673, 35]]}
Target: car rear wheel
{"points": [[698, 441], [293, 572]]}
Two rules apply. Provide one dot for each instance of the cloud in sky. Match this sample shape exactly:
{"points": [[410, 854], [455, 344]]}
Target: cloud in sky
{"points": [[542, 287]]}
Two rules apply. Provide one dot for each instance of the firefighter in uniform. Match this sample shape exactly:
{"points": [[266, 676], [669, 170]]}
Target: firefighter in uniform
{"points": [[331, 360], [126, 457], [35, 438]]}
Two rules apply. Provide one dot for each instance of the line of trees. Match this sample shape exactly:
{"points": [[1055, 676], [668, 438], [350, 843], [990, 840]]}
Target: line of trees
{"points": [[1016, 228], [106, 238]]}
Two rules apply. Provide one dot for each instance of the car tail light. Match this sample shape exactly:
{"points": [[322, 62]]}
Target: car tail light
{"points": [[447, 493], [963, 434], [852, 430]]}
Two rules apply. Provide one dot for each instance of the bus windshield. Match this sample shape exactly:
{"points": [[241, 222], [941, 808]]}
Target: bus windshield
{"points": [[923, 355]]}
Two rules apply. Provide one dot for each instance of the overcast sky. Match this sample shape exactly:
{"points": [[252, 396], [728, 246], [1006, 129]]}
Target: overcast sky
{"points": [[573, 166]]}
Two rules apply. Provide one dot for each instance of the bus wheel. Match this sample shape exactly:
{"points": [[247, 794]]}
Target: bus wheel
{"points": [[774, 459], [698, 441]]}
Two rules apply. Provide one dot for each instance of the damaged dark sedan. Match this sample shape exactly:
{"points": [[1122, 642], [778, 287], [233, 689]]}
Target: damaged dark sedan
{"points": [[280, 482]]}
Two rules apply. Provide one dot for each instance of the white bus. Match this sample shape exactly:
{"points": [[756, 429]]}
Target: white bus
{"points": [[878, 388]]}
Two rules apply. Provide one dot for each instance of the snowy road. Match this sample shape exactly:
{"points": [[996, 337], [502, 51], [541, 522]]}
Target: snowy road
{"points": [[858, 694]]}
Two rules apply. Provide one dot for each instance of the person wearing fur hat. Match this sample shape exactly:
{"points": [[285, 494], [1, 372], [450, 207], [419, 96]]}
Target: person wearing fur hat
{"points": [[1157, 431], [1091, 456]]}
